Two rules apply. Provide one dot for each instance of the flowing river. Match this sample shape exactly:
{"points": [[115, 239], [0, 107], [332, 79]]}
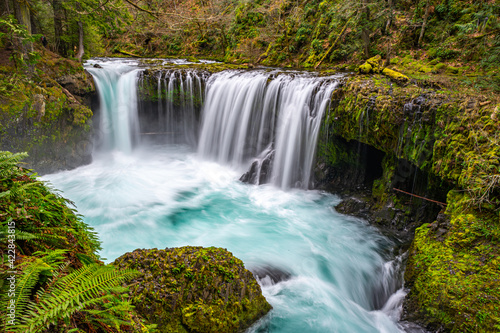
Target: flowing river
{"points": [[320, 270]]}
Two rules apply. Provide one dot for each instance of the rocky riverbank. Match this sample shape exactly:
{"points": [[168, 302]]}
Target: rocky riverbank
{"points": [[422, 163]]}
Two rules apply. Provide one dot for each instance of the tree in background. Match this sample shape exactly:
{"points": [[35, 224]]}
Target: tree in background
{"points": [[71, 27]]}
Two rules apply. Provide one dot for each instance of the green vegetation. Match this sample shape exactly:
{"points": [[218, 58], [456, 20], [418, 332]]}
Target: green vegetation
{"points": [[194, 289]]}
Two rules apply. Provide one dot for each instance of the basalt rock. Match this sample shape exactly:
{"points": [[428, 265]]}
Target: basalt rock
{"points": [[260, 170], [194, 289]]}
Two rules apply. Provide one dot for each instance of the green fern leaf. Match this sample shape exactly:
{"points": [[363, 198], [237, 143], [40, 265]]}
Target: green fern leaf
{"points": [[77, 291]]}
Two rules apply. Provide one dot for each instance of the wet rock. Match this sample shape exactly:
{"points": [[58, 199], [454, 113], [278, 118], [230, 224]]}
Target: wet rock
{"points": [[270, 274], [260, 170], [194, 289], [97, 66], [354, 206]]}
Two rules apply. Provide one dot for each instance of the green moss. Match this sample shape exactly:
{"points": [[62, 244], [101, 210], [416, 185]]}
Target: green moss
{"points": [[194, 289], [454, 275], [439, 67], [452, 70], [366, 68], [395, 76], [375, 62]]}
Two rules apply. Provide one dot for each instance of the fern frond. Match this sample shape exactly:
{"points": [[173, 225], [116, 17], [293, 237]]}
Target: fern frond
{"points": [[24, 286], [8, 162], [77, 291]]}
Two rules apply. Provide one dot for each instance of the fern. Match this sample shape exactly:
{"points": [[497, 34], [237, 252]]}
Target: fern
{"points": [[83, 288], [8, 162], [25, 283]]}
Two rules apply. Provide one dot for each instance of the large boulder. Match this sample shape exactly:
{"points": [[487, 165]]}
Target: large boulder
{"points": [[194, 289]]}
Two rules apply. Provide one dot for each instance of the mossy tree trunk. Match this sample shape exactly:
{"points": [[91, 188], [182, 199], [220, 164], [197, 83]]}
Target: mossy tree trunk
{"points": [[426, 15], [365, 31], [23, 45], [59, 15]]}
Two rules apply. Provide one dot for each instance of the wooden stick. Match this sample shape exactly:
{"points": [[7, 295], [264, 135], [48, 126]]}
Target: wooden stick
{"points": [[414, 195]]}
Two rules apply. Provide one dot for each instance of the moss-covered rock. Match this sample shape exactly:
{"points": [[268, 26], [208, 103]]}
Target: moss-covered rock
{"points": [[451, 138], [194, 289], [366, 68], [454, 270], [47, 114]]}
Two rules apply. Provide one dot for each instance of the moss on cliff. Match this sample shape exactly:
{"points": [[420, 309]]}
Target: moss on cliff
{"points": [[45, 113], [454, 269], [194, 289]]}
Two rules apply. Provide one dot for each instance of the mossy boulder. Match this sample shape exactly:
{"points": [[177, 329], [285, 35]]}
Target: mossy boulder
{"points": [[366, 68], [454, 270], [194, 289], [375, 62], [395, 76]]}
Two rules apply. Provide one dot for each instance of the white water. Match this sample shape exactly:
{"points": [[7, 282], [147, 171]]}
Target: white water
{"points": [[179, 93], [341, 274], [117, 86], [244, 114]]}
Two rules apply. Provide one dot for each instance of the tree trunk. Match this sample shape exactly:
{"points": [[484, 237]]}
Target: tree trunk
{"points": [[81, 50], [391, 14], [21, 44], [61, 45], [5, 8], [22, 13], [426, 15], [365, 32]]}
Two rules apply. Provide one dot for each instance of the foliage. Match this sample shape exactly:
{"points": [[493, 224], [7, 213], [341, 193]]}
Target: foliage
{"points": [[60, 283], [18, 36], [41, 214]]}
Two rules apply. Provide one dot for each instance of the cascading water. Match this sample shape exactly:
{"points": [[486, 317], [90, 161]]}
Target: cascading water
{"points": [[320, 270], [179, 97], [245, 112], [117, 88]]}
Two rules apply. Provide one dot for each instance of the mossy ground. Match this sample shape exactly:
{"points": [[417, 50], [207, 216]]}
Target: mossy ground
{"points": [[194, 289]]}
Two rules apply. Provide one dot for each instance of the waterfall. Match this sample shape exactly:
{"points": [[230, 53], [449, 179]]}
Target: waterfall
{"points": [[246, 112], [266, 117], [179, 97], [117, 88]]}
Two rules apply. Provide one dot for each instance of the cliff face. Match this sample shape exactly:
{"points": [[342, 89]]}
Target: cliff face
{"points": [[45, 111], [440, 147]]}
